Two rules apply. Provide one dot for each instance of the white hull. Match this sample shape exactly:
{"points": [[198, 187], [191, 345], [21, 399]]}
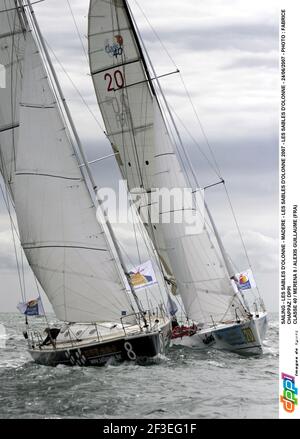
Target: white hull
{"points": [[245, 337]]}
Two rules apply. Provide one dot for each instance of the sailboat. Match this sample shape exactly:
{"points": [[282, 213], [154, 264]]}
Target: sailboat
{"points": [[75, 258], [151, 155], [78, 261]]}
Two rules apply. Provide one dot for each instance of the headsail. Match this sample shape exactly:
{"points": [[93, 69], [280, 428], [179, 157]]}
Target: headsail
{"points": [[147, 158], [64, 244]]}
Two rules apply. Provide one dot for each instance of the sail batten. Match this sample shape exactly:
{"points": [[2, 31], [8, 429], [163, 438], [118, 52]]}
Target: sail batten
{"points": [[37, 247]]}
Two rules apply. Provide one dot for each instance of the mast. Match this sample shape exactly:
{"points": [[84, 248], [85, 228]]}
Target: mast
{"points": [[84, 159]]}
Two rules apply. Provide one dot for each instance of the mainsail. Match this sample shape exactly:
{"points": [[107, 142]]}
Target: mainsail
{"points": [[66, 247], [12, 40], [148, 160], [125, 97]]}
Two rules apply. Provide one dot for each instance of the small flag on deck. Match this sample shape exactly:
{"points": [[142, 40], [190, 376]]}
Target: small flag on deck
{"points": [[246, 280], [32, 308], [142, 276]]}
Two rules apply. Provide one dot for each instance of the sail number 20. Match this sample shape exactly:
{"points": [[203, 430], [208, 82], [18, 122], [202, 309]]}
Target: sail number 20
{"points": [[114, 81]]}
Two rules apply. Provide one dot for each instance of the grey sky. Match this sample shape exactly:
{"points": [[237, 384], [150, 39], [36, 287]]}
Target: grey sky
{"points": [[227, 54]]}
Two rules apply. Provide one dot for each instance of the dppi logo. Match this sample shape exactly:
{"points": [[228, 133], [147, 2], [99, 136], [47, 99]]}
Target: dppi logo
{"points": [[116, 49], [290, 391]]}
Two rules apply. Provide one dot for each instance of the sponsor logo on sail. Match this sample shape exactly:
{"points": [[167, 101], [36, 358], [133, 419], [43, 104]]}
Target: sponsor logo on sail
{"points": [[116, 48], [288, 397]]}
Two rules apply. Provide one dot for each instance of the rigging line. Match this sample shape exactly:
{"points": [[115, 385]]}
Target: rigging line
{"points": [[51, 82], [77, 30], [23, 272], [170, 123], [131, 263], [230, 307], [113, 301], [135, 235], [65, 125], [150, 249], [129, 259], [217, 169], [138, 44], [239, 232], [181, 160], [205, 257], [180, 304], [156, 34], [40, 297], [14, 53], [133, 266], [77, 150], [126, 109], [6, 201], [77, 91], [151, 245], [186, 156]]}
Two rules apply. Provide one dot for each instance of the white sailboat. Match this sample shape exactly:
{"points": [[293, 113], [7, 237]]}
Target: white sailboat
{"points": [[150, 152], [76, 260]]}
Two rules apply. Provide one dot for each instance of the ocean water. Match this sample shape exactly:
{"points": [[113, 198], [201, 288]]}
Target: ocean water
{"points": [[184, 384]]}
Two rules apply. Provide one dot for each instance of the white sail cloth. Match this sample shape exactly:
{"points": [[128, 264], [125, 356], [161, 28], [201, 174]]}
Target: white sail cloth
{"points": [[64, 244], [147, 158], [12, 41]]}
